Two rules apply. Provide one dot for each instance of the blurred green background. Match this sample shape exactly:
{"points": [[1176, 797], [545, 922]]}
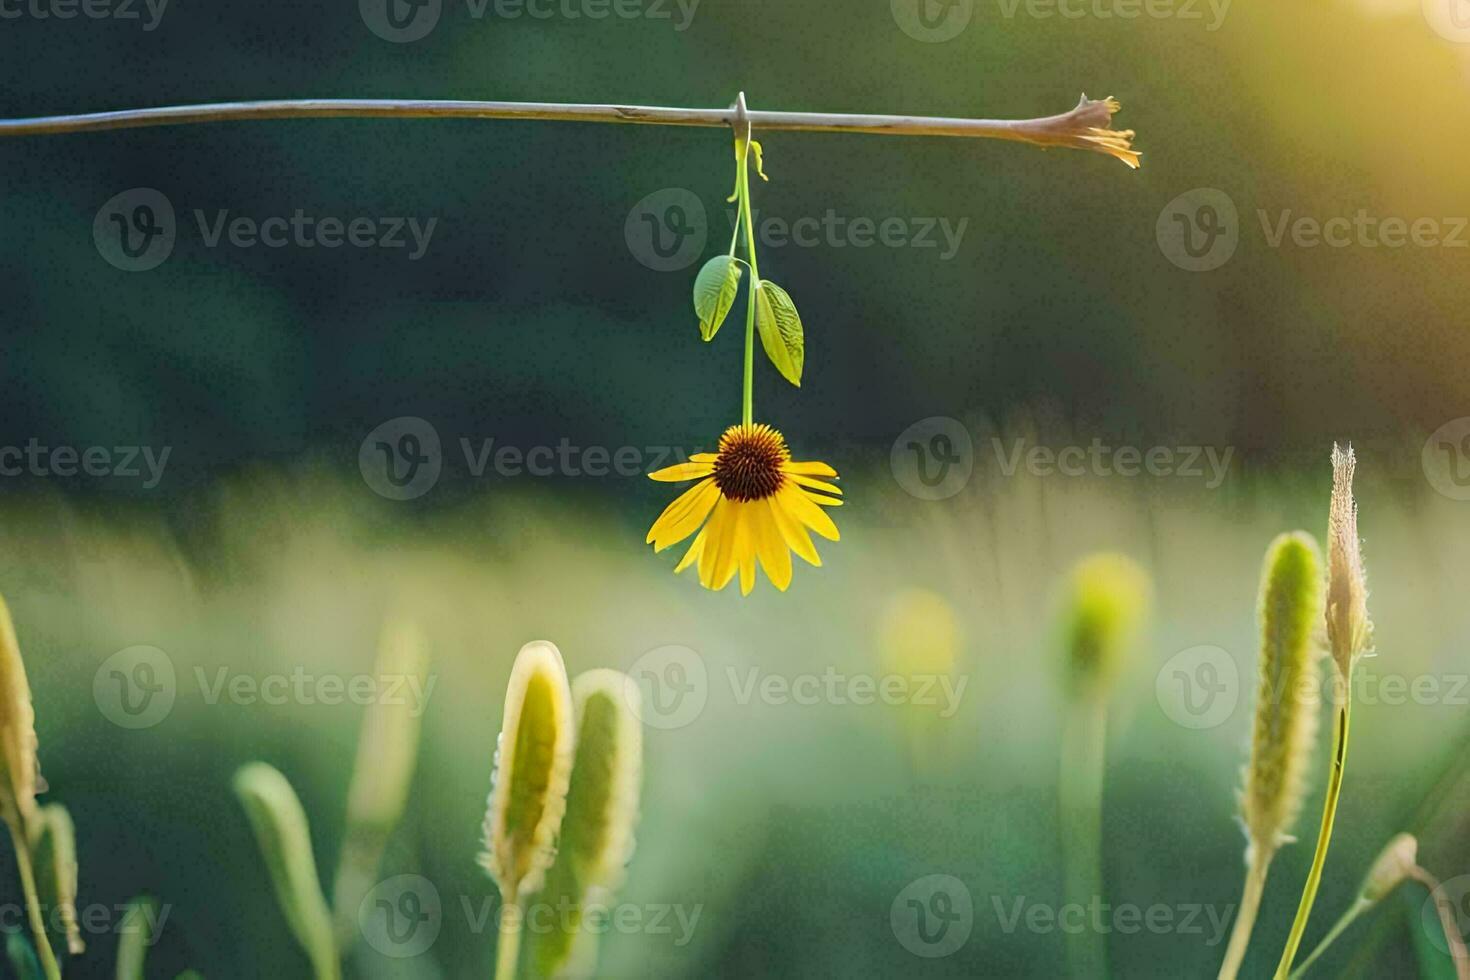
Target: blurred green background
{"points": [[533, 317]]}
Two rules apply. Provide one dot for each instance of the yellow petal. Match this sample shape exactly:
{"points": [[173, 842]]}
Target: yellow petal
{"points": [[818, 498], [680, 472], [774, 555], [802, 508], [807, 481], [703, 458], [809, 469], [682, 517], [793, 533], [747, 560], [730, 556], [692, 555], [717, 565]]}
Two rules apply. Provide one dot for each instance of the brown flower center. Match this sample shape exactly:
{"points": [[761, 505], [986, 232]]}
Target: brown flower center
{"points": [[748, 466]]}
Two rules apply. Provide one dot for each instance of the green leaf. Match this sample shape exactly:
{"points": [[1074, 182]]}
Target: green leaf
{"points": [[715, 289], [285, 842], [780, 330]]}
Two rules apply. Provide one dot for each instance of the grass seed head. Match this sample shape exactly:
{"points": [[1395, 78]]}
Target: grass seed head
{"points": [[1396, 862], [1349, 631], [21, 769], [1105, 602], [533, 763], [602, 813], [1287, 693]]}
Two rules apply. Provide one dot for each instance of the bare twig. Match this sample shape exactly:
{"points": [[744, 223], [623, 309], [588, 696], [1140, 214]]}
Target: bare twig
{"points": [[1087, 127]]}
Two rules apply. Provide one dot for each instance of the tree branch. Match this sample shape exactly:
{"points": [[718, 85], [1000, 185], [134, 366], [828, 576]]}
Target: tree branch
{"points": [[1087, 127]]}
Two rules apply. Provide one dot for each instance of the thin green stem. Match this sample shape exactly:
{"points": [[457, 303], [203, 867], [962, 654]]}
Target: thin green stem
{"points": [[1258, 863], [1324, 835], [33, 903], [1348, 918], [1081, 791], [747, 406], [508, 948]]}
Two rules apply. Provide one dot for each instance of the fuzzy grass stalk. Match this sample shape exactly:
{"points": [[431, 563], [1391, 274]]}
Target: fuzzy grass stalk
{"points": [[1104, 604], [1349, 633], [1285, 727], [602, 814], [528, 792], [20, 779]]}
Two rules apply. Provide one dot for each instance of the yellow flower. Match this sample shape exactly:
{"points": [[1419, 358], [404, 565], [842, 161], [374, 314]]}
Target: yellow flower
{"points": [[760, 506]]}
